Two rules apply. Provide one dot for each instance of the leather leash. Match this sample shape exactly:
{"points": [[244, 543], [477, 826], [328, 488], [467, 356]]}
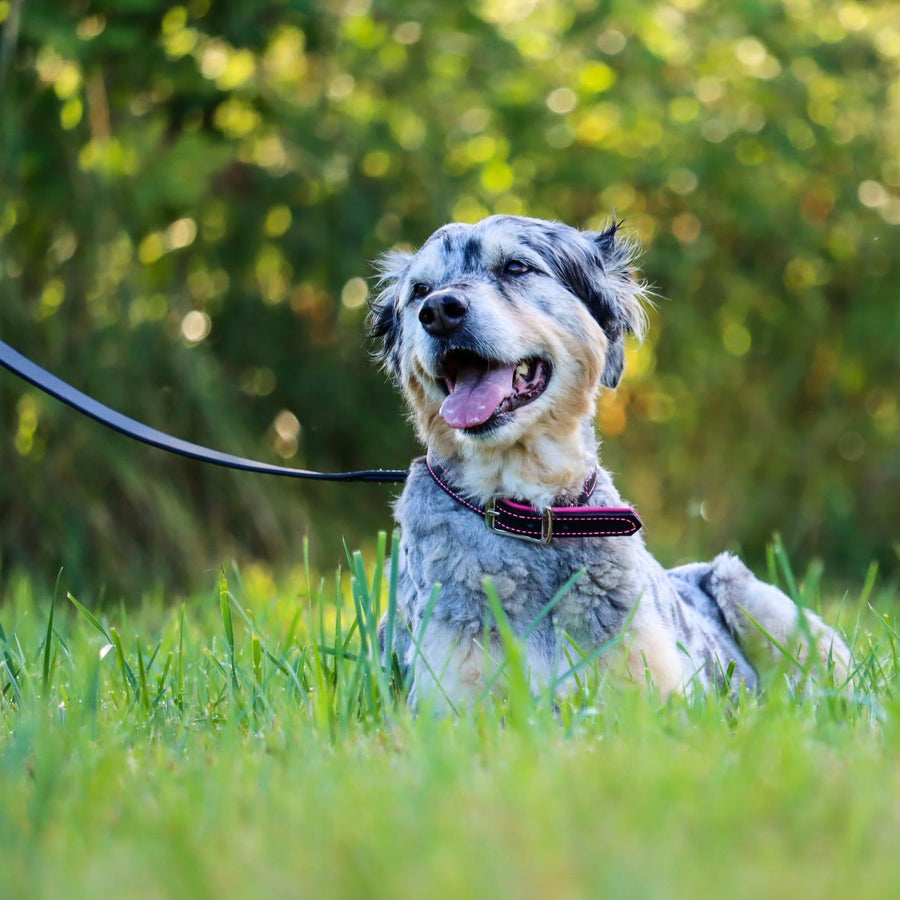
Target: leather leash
{"points": [[56, 387]]}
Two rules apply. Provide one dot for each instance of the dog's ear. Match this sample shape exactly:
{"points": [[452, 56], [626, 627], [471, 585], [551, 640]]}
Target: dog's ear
{"points": [[598, 267], [383, 322], [615, 295]]}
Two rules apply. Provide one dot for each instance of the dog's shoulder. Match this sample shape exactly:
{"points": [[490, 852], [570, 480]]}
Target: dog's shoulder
{"points": [[424, 507]]}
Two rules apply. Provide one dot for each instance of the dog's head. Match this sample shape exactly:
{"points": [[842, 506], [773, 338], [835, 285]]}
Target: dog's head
{"points": [[499, 330]]}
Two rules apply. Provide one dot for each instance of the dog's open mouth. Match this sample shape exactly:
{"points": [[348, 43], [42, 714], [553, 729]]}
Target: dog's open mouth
{"points": [[480, 391]]}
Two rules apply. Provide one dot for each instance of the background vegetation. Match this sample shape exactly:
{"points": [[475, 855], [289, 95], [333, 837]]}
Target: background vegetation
{"points": [[190, 194]]}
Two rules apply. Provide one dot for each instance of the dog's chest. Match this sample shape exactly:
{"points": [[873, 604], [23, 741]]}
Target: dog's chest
{"points": [[449, 544]]}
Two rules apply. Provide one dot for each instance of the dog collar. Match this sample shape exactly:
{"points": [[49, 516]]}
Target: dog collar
{"points": [[527, 523]]}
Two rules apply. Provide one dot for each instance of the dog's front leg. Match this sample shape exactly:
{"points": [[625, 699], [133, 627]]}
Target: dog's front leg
{"points": [[450, 667]]}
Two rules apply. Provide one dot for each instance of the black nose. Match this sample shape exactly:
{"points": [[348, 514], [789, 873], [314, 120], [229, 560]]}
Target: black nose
{"points": [[442, 314]]}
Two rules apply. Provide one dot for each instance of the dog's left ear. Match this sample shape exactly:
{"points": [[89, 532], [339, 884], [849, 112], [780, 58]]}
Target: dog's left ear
{"points": [[615, 295], [383, 322]]}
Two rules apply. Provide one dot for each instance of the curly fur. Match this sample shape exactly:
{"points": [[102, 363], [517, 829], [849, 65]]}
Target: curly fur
{"points": [[529, 289]]}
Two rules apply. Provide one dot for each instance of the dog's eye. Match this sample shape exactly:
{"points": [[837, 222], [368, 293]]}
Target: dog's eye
{"points": [[516, 267], [419, 290]]}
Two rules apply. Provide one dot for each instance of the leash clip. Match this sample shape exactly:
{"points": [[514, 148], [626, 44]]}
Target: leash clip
{"points": [[490, 519]]}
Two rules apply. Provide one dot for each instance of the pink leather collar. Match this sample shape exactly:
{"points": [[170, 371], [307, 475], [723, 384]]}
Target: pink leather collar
{"points": [[527, 523]]}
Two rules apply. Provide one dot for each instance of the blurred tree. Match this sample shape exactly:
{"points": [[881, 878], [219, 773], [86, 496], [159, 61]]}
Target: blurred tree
{"points": [[191, 192]]}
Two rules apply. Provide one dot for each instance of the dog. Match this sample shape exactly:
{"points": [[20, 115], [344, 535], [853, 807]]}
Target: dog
{"points": [[501, 334]]}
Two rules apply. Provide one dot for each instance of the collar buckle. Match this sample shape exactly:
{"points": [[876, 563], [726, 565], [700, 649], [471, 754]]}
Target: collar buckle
{"points": [[491, 514]]}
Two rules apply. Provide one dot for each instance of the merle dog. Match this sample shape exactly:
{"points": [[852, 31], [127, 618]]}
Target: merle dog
{"points": [[501, 335]]}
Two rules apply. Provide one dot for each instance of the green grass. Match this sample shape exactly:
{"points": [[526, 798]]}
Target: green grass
{"points": [[250, 744]]}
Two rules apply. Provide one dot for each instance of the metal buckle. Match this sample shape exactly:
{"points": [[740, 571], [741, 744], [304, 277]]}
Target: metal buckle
{"points": [[490, 519]]}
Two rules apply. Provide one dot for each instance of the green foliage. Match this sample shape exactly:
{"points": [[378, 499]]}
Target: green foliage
{"points": [[190, 195], [251, 743]]}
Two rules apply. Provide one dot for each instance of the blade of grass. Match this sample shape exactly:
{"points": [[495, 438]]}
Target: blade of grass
{"points": [[256, 658], [143, 693], [179, 677], [128, 677], [376, 681], [11, 671], [388, 634], [286, 669], [90, 617], [225, 609], [869, 584], [378, 574], [785, 568], [211, 657], [48, 639], [161, 679], [516, 665]]}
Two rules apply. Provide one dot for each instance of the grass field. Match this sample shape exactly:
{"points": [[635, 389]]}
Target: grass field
{"points": [[248, 744]]}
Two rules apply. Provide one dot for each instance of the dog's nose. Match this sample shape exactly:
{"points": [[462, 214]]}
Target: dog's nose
{"points": [[442, 314]]}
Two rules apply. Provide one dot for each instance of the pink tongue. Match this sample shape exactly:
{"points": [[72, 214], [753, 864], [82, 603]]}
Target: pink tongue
{"points": [[476, 395]]}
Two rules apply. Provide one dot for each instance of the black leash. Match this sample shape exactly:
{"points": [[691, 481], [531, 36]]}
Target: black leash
{"points": [[55, 387]]}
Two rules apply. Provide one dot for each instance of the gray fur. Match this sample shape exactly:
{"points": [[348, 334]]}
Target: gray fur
{"points": [[690, 628], [444, 542]]}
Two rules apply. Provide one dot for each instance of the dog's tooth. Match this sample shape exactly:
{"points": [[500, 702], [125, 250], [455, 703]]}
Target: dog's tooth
{"points": [[522, 369]]}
